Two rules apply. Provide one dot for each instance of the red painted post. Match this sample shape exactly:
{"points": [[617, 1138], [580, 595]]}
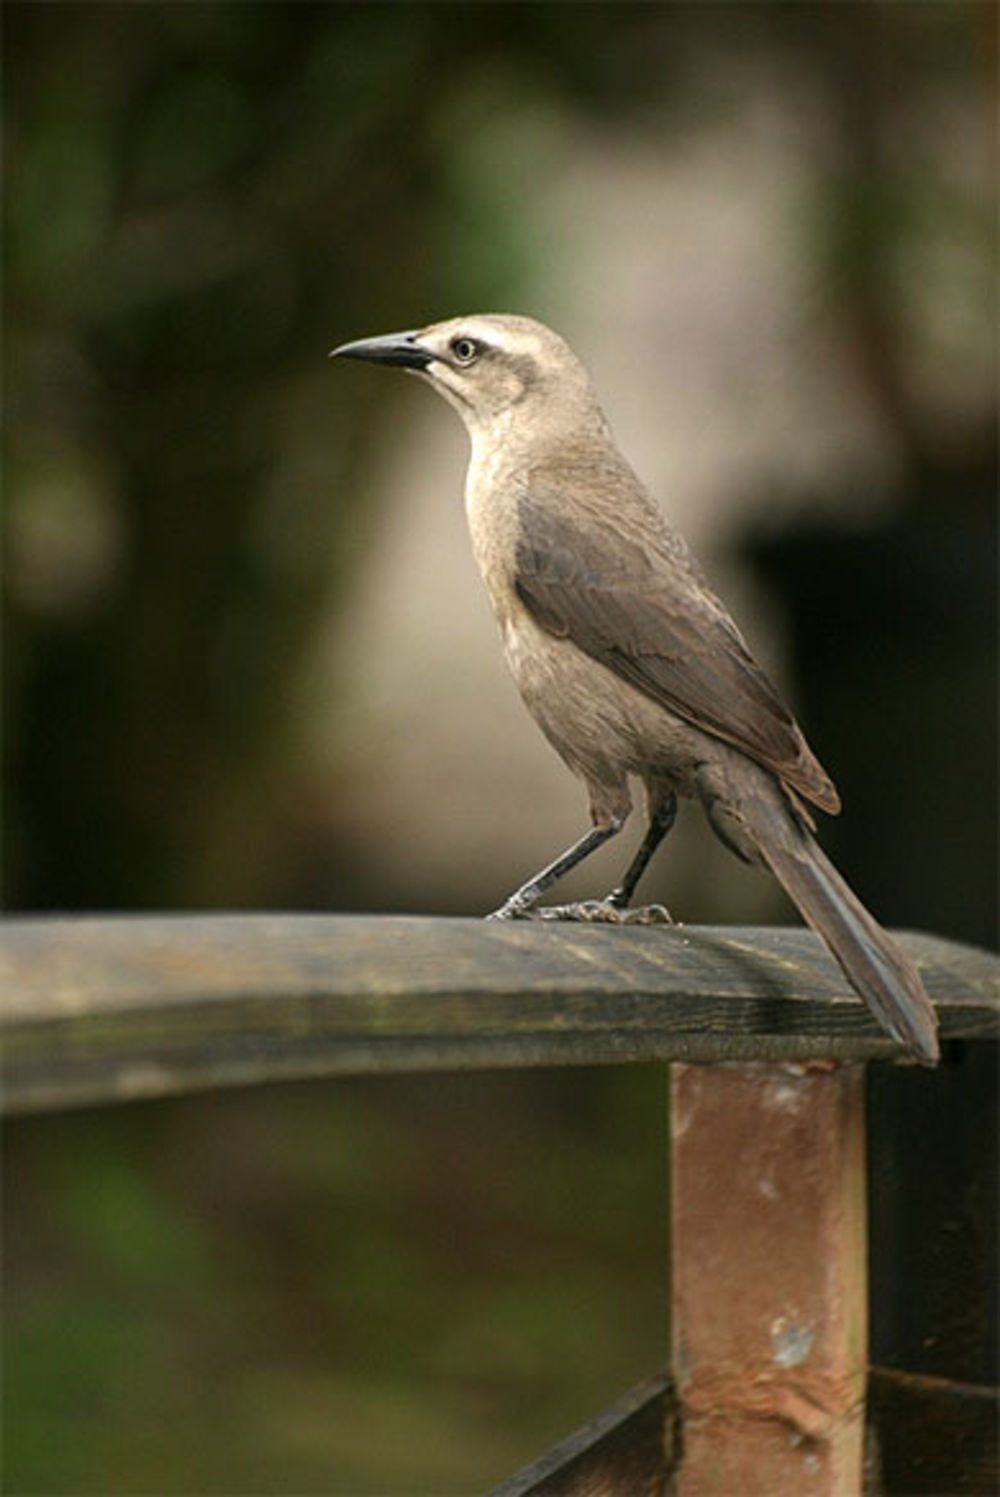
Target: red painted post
{"points": [[769, 1278]]}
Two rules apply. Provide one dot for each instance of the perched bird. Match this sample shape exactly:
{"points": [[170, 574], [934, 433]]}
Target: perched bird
{"points": [[629, 663]]}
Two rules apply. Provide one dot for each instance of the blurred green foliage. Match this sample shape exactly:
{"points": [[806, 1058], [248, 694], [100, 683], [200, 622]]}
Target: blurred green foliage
{"points": [[408, 1286]]}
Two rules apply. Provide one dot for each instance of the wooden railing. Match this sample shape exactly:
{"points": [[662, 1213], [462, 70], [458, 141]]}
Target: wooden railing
{"points": [[768, 1388]]}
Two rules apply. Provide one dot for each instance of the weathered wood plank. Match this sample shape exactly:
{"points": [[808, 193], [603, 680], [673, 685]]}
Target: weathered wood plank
{"points": [[102, 1009], [629, 1450]]}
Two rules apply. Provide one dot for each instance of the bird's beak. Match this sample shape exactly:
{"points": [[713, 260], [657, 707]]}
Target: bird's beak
{"points": [[395, 348]]}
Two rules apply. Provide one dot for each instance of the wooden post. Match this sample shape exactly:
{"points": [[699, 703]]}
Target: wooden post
{"points": [[769, 1278]]}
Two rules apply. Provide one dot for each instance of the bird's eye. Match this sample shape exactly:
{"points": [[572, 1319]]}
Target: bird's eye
{"points": [[464, 349]]}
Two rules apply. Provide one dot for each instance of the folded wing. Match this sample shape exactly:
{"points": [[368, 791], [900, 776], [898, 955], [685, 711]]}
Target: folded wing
{"points": [[636, 602]]}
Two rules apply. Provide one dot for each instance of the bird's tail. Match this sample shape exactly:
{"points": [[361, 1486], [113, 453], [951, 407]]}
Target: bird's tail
{"points": [[874, 965]]}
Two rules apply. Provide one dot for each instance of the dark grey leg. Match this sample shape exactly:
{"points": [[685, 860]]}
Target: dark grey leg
{"points": [[521, 901], [660, 824]]}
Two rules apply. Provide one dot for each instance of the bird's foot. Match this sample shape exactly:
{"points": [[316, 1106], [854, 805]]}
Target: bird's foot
{"points": [[589, 911]]}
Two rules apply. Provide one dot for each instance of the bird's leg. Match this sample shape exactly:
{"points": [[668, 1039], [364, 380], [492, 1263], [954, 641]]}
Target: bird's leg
{"points": [[661, 820], [520, 905], [613, 909]]}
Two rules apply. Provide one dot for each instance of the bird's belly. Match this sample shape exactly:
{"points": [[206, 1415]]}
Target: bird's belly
{"points": [[603, 728]]}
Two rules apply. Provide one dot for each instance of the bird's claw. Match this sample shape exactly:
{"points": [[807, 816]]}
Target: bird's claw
{"points": [[647, 914], [589, 911]]}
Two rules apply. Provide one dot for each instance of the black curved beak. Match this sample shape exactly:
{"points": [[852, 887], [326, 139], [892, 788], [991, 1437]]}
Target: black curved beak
{"points": [[395, 348]]}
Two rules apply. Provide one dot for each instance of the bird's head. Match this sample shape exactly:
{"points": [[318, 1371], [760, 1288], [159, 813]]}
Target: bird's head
{"points": [[489, 367]]}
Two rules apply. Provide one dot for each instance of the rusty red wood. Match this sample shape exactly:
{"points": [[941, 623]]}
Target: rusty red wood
{"points": [[769, 1279]]}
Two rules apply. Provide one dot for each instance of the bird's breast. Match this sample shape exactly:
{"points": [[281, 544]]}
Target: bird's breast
{"points": [[492, 514], [602, 727]]}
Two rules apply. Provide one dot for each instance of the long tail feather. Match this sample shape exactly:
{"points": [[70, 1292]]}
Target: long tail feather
{"points": [[876, 968]]}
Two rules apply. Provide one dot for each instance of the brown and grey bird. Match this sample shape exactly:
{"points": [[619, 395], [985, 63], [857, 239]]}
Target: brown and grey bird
{"points": [[629, 663]]}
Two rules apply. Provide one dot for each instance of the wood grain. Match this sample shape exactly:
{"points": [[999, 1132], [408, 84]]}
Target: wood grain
{"points": [[102, 1009]]}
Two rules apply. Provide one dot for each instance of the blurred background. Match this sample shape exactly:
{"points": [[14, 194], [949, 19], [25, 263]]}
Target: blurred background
{"points": [[249, 664]]}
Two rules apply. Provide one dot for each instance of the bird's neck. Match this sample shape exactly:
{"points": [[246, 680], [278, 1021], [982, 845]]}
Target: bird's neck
{"points": [[518, 438]]}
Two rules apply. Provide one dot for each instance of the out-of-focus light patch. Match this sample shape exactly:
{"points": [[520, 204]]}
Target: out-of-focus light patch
{"points": [[65, 546], [946, 293]]}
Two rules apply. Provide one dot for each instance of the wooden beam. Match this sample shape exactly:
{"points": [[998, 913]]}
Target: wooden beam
{"points": [[925, 1437], [628, 1450], [769, 1289], [107, 1009]]}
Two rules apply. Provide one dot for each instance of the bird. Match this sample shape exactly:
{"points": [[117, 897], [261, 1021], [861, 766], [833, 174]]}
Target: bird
{"points": [[629, 663]]}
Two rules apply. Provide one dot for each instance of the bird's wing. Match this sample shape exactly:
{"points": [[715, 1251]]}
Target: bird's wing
{"points": [[637, 603]]}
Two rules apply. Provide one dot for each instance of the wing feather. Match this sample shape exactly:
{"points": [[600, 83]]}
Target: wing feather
{"points": [[634, 599]]}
